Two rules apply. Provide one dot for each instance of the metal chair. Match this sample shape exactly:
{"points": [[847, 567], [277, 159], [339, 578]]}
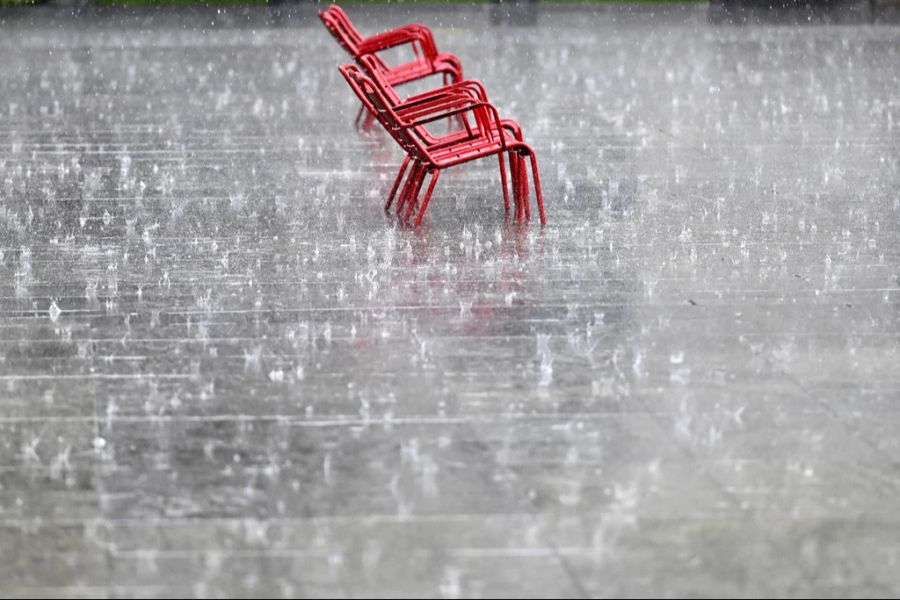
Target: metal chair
{"points": [[444, 98], [428, 61], [484, 136]]}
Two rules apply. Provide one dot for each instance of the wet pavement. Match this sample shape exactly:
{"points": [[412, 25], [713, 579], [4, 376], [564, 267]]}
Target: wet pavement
{"points": [[224, 371]]}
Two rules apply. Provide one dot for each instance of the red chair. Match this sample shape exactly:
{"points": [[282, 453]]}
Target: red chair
{"points": [[428, 61], [451, 96], [484, 136], [446, 96]]}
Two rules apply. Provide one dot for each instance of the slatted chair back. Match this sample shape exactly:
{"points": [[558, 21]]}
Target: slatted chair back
{"points": [[347, 35], [375, 71], [375, 101], [340, 26]]}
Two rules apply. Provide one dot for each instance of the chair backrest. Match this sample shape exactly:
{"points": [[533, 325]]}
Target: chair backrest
{"points": [[375, 69], [374, 99], [338, 23]]}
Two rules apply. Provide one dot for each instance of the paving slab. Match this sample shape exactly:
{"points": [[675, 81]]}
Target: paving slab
{"points": [[224, 371]]}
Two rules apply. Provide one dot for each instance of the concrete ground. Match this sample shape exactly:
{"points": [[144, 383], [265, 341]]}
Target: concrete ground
{"points": [[224, 371]]}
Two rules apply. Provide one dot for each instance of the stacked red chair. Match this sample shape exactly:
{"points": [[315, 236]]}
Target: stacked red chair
{"points": [[481, 133], [428, 60]]}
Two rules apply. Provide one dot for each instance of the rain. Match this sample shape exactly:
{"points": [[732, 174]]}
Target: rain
{"points": [[225, 370]]}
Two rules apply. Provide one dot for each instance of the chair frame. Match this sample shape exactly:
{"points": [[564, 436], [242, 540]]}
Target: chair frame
{"points": [[447, 97], [428, 61], [429, 155]]}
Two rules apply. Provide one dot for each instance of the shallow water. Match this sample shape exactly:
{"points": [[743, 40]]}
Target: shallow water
{"points": [[223, 370]]}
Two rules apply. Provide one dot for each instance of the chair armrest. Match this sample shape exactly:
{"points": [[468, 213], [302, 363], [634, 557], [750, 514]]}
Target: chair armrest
{"points": [[463, 86], [436, 105], [483, 112], [399, 37]]}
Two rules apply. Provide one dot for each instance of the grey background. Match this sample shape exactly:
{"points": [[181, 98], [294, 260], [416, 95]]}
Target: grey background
{"points": [[223, 370]]}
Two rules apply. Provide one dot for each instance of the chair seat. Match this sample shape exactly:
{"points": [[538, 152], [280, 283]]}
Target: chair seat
{"points": [[461, 144], [419, 69], [464, 151], [408, 72]]}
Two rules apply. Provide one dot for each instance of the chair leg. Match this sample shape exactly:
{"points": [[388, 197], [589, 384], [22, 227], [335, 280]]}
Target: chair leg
{"points": [[414, 196], [369, 121], [514, 183], [522, 185], [408, 187], [434, 177], [537, 188], [390, 199], [526, 202], [503, 182]]}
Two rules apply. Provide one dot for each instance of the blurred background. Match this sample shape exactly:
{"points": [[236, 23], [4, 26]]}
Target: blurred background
{"points": [[524, 11], [226, 372]]}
